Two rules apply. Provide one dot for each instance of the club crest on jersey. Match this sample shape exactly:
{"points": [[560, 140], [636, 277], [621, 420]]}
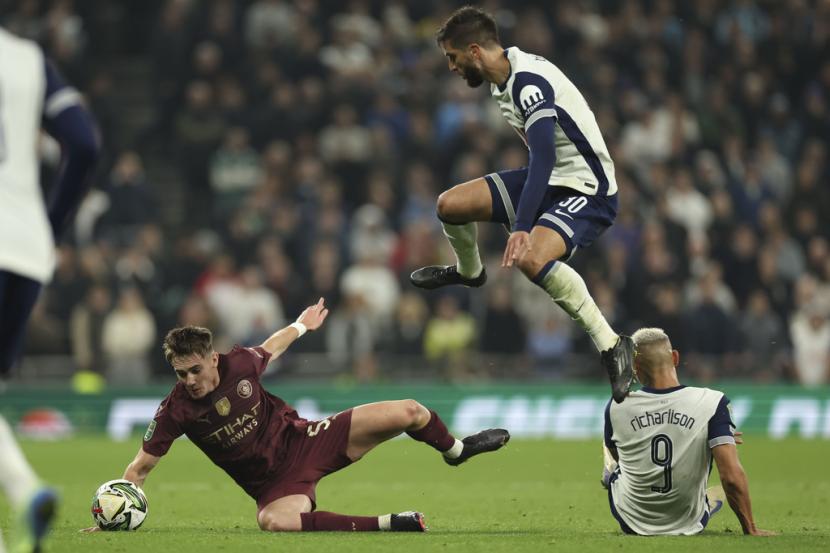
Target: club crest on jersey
{"points": [[223, 406], [244, 389]]}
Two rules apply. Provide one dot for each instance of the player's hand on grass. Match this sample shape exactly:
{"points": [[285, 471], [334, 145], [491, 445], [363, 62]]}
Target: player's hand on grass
{"points": [[89, 530], [517, 245], [314, 315], [763, 533]]}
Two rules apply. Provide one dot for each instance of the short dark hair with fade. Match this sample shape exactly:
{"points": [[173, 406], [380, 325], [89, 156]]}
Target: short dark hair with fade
{"points": [[466, 26], [187, 340]]}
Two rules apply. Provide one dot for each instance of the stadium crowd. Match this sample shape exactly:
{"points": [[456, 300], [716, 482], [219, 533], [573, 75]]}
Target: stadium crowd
{"points": [[296, 150]]}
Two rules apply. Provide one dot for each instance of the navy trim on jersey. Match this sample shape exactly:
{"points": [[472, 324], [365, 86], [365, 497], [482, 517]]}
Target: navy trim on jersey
{"points": [[651, 390], [58, 96], [571, 130], [609, 429], [503, 85], [623, 526], [540, 138], [73, 126], [721, 422], [540, 96]]}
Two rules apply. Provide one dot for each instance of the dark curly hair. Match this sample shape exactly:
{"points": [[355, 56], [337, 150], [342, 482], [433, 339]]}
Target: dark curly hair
{"points": [[466, 26]]}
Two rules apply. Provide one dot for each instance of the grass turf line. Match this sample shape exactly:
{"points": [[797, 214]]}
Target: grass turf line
{"points": [[533, 495]]}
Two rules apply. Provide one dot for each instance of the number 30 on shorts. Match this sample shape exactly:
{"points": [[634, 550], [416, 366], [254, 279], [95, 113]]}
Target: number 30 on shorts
{"points": [[314, 429]]}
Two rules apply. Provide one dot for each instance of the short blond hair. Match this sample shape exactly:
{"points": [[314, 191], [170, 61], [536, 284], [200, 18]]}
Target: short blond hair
{"points": [[649, 336], [652, 350]]}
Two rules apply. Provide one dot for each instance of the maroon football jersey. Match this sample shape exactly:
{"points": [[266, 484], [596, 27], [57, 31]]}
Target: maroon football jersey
{"points": [[239, 426]]}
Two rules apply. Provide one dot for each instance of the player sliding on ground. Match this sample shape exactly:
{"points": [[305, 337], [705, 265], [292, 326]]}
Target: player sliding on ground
{"points": [[563, 200], [659, 446], [276, 456]]}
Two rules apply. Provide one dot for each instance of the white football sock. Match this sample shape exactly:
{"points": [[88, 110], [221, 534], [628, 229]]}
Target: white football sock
{"points": [[385, 522], [464, 241], [454, 451], [16, 476], [568, 290]]}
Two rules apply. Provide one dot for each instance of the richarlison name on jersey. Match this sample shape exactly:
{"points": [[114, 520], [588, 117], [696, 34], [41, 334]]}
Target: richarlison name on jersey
{"points": [[669, 416]]}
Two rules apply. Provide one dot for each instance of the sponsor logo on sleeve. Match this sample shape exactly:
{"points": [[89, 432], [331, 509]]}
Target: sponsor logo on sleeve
{"points": [[150, 430], [530, 98]]}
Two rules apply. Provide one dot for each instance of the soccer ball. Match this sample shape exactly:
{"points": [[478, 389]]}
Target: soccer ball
{"points": [[119, 505]]}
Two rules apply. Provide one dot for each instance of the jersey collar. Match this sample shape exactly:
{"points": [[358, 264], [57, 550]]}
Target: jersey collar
{"points": [[662, 390], [502, 86]]}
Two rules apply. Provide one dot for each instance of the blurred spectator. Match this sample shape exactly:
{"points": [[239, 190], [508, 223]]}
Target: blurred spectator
{"points": [[370, 235], [810, 334], [258, 311], [131, 203], [350, 338], [86, 329], [128, 335], [712, 330], [448, 337], [270, 24], [503, 329], [550, 343], [410, 323], [763, 336], [234, 172], [377, 285]]}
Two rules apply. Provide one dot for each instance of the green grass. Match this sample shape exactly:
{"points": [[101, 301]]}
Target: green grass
{"points": [[532, 496]]}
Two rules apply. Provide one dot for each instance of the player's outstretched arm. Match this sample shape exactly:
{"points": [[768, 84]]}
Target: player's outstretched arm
{"points": [[735, 484], [310, 319], [140, 467]]}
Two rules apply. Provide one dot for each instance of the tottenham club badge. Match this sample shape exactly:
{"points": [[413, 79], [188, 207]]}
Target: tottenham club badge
{"points": [[244, 389], [223, 406]]}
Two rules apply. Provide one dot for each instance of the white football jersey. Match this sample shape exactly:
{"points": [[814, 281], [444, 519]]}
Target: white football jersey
{"points": [[664, 440], [537, 89], [26, 244]]}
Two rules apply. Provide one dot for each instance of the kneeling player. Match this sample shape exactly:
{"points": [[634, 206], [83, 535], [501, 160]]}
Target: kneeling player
{"points": [[273, 454], [659, 446]]}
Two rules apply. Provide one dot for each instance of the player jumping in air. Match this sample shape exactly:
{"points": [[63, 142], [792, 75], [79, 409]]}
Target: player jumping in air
{"points": [[32, 95], [273, 454], [563, 200], [659, 446]]}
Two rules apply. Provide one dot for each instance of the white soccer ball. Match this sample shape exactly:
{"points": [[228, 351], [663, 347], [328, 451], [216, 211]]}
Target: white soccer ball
{"points": [[119, 505]]}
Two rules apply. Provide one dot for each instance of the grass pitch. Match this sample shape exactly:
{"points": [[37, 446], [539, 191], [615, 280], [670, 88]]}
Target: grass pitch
{"points": [[531, 496]]}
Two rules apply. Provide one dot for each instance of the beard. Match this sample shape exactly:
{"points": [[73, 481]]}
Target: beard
{"points": [[473, 76]]}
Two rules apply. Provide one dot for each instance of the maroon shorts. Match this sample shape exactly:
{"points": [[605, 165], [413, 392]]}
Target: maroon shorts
{"points": [[314, 451]]}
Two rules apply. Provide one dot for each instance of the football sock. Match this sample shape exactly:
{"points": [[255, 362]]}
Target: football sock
{"points": [[16, 476], [568, 290], [385, 522], [434, 433], [322, 521], [463, 239]]}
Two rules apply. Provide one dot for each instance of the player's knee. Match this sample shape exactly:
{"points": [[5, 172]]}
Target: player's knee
{"points": [[278, 522], [530, 264], [449, 208], [414, 413]]}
